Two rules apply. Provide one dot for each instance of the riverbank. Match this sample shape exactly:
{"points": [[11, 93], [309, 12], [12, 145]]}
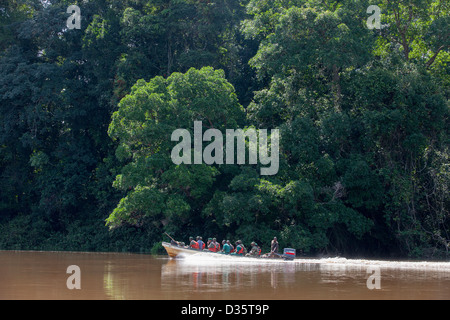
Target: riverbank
{"points": [[91, 235]]}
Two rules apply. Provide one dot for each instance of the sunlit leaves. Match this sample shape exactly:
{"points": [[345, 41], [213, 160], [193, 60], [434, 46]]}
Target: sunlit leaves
{"points": [[143, 126]]}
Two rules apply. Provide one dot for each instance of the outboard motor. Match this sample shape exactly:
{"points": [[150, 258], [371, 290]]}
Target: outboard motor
{"points": [[289, 254]]}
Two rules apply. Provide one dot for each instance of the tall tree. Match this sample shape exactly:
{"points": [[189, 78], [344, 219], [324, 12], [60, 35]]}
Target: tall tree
{"points": [[168, 193], [419, 28]]}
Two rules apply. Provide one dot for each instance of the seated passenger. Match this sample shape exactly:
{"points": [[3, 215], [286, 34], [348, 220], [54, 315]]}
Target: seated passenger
{"points": [[226, 247], [192, 243], [217, 244], [240, 249], [211, 245], [201, 244], [255, 251]]}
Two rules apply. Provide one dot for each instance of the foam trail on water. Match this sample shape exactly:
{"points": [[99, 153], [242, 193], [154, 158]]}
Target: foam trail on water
{"points": [[336, 262], [419, 265]]}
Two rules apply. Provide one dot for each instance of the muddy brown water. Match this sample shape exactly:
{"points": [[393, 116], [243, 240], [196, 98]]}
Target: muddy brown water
{"points": [[101, 276]]}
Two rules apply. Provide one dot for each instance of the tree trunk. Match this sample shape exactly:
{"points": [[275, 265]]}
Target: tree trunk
{"points": [[336, 88]]}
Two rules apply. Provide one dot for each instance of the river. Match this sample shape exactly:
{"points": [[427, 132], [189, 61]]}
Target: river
{"points": [[26, 275]]}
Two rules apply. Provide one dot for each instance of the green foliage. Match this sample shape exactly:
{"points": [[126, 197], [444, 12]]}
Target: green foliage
{"points": [[86, 118], [143, 125]]}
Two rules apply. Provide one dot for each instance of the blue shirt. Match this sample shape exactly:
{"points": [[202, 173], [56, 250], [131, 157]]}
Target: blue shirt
{"points": [[226, 248]]}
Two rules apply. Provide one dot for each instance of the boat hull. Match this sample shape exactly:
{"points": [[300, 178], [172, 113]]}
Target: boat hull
{"points": [[175, 251]]}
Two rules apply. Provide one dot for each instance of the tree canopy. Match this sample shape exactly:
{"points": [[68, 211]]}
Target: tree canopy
{"points": [[363, 114]]}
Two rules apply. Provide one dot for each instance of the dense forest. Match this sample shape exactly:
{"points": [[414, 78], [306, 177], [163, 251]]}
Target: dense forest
{"points": [[362, 111]]}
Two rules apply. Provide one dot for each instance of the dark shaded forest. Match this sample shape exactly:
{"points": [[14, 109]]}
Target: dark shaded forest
{"points": [[86, 117]]}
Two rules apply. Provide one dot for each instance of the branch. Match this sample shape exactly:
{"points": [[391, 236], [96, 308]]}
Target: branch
{"points": [[433, 58]]}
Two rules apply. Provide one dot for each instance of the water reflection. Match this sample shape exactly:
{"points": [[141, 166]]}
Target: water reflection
{"points": [[112, 288], [336, 278], [254, 278], [132, 277], [42, 275]]}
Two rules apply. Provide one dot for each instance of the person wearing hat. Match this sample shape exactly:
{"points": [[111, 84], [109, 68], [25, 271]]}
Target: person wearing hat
{"points": [[189, 242], [240, 249], [192, 243], [211, 245], [255, 251]]}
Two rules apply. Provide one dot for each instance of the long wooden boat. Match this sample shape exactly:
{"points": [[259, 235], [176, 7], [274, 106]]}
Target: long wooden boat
{"points": [[177, 251]]}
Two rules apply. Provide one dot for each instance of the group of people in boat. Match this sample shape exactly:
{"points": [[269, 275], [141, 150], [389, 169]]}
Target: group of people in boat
{"points": [[226, 247]]}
